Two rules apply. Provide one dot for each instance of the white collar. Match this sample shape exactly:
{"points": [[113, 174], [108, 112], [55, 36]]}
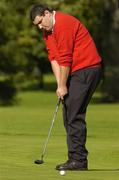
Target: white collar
{"points": [[54, 12]]}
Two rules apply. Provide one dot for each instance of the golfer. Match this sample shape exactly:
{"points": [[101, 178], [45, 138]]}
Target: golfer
{"points": [[76, 65]]}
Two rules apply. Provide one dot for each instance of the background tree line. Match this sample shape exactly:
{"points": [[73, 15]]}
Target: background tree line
{"points": [[22, 48]]}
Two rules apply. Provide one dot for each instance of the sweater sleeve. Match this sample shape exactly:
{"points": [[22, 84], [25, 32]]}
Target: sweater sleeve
{"points": [[65, 45]]}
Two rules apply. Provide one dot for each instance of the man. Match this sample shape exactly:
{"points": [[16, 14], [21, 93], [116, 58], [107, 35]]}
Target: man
{"points": [[76, 65]]}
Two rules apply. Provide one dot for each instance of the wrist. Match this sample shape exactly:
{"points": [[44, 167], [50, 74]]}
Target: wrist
{"points": [[61, 84]]}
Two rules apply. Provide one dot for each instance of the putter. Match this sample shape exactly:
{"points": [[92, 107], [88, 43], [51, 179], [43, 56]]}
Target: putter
{"points": [[41, 161]]}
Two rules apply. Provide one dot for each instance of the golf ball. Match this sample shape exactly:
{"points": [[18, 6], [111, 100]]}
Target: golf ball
{"points": [[62, 172]]}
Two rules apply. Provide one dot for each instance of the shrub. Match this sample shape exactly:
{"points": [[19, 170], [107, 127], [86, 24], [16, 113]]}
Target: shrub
{"points": [[7, 92]]}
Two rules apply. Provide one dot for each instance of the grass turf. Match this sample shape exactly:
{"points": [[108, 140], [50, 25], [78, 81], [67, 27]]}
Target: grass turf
{"points": [[24, 128]]}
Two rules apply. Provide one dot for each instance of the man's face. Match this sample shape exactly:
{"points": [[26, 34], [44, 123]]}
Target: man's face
{"points": [[44, 22]]}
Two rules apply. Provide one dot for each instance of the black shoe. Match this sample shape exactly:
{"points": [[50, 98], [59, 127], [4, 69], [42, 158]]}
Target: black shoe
{"points": [[72, 165], [63, 164]]}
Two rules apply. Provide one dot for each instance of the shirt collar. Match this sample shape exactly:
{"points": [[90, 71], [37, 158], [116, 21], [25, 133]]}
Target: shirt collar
{"points": [[54, 12]]}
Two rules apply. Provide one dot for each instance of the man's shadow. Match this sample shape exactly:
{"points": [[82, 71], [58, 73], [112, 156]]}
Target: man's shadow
{"points": [[103, 169]]}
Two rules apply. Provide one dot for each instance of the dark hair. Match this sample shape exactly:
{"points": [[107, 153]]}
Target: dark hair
{"points": [[38, 9]]}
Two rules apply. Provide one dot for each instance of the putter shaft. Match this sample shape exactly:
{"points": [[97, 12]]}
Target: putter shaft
{"points": [[51, 127]]}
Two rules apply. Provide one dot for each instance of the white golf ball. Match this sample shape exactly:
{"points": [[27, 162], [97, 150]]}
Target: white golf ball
{"points": [[62, 172]]}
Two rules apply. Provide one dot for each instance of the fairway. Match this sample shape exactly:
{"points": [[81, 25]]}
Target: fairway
{"points": [[24, 128]]}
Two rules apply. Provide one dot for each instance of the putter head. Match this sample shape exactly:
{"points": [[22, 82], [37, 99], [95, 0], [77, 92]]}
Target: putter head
{"points": [[39, 161]]}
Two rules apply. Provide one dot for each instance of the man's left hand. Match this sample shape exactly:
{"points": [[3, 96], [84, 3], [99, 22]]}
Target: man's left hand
{"points": [[61, 92]]}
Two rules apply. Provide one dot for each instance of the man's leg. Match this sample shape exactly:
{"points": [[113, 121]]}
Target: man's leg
{"points": [[81, 86]]}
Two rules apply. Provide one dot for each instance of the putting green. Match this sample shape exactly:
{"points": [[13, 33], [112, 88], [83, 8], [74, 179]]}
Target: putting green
{"points": [[24, 128]]}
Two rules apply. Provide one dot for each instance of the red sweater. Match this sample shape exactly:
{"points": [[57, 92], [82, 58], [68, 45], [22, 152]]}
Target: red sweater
{"points": [[70, 44]]}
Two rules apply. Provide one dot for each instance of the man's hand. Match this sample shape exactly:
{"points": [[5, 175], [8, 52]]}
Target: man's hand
{"points": [[62, 87], [61, 92], [61, 73]]}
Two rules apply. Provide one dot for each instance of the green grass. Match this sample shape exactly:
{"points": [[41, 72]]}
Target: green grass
{"points": [[24, 128]]}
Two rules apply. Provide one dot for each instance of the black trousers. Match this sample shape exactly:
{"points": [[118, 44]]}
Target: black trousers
{"points": [[81, 86]]}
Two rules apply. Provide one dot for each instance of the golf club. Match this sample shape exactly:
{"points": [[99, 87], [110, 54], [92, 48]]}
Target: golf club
{"points": [[41, 161]]}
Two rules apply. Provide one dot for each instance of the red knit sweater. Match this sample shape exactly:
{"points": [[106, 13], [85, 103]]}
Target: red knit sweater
{"points": [[70, 44]]}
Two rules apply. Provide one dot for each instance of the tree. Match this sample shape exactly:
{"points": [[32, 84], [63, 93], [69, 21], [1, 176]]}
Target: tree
{"points": [[19, 44]]}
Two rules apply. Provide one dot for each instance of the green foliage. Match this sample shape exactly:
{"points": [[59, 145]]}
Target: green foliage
{"points": [[7, 92], [110, 85], [22, 47]]}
